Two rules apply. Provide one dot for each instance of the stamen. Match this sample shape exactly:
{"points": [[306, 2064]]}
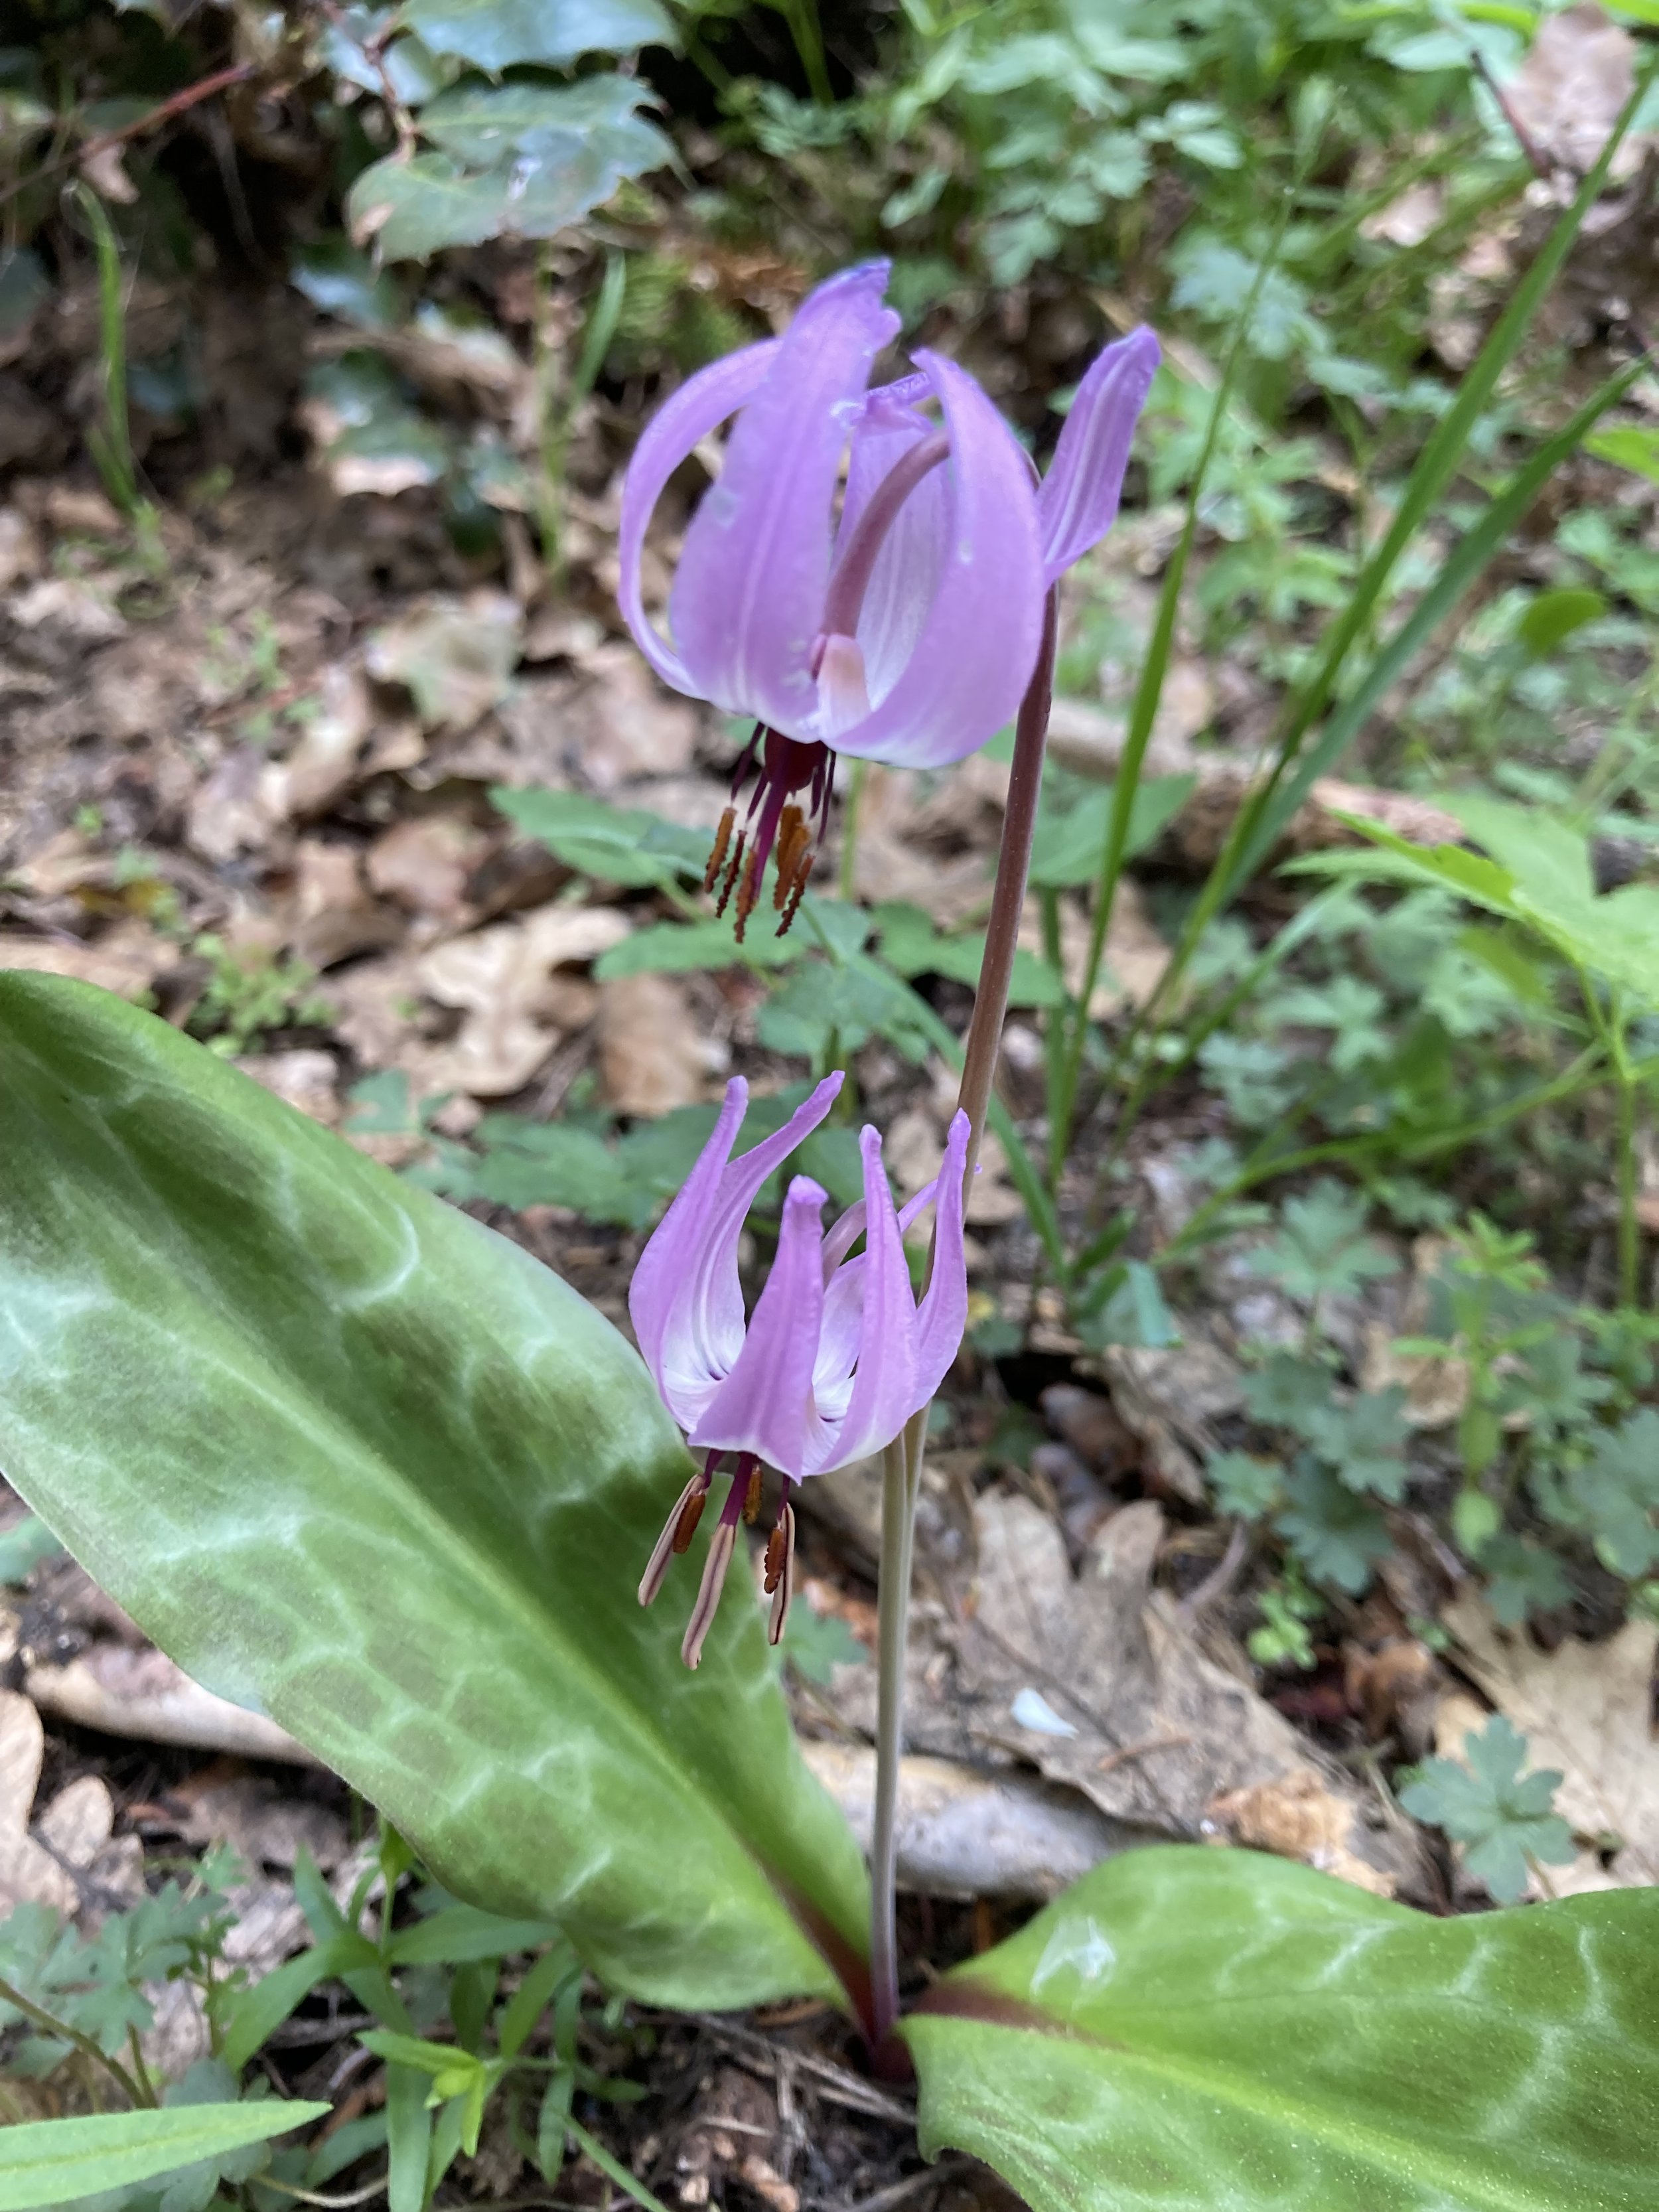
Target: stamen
{"points": [[678, 1530], [797, 895], [793, 838], [732, 874], [780, 1568], [722, 839], [751, 1503], [748, 893], [709, 1593]]}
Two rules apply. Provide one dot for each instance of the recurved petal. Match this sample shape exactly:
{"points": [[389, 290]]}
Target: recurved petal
{"points": [[976, 645], [885, 1391], [748, 596], [686, 1300], [943, 1315], [658, 1295], [765, 1404], [700, 406], [1077, 503]]}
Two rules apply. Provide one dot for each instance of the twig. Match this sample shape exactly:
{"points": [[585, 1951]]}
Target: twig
{"points": [[898, 2193], [1220, 1579], [1531, 152], [840, 2087], [221, 81], [375, 2188]]}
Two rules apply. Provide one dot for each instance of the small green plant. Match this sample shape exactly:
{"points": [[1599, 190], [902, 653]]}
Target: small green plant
{"points": [[1287, 1607], [247, 992], [1503, 1817]]}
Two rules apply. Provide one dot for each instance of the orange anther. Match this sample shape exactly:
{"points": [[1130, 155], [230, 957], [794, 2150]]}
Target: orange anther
{"points": [[691, 1514], [777, 1554], [751, 1503], [722, 839]]}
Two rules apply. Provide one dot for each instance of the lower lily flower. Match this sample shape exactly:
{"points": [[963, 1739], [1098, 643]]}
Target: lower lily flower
{"points": [[903, 629], [834, 1360]]}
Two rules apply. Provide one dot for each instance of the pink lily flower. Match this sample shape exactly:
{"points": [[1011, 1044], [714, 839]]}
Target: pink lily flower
{"points": [[906, 629], [834, 1360]]}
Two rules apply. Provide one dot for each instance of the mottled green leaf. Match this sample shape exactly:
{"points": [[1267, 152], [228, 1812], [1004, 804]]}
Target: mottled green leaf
{"points": [[493, 35], [1214, 2030], [50, 2162], [353, 1459]]}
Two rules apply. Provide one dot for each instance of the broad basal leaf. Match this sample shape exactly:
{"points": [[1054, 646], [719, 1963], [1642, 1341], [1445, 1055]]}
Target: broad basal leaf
{"points": [[52, 2162], [352, 1458], [493, 35], [1210, 2031]]}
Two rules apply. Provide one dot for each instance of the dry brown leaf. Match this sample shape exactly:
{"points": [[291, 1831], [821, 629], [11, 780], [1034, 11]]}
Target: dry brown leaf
{"points": [[232, 812], [1586, 1709], [627, 725], [28, 1872], [653, 1054], [1568, 93], [1137, 1716], [306, 1081], [20, 550], [128, 1690], [325, 764], [424, 861], [126, 959], [455, 657], [501, 978], [328, 914]]}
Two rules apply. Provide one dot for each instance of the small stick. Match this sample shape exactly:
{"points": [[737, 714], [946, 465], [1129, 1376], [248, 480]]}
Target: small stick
{"points": [[221, 81]]}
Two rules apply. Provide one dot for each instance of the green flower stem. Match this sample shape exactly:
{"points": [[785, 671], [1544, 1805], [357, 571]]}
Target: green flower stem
{"points": [[902, 1461]]}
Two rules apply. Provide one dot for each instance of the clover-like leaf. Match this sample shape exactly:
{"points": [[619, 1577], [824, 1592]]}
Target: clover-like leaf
{"points": [[1338, 1537], [1321, 1250], [1244, 1484], [1502, 1816], [1364, 1441]]}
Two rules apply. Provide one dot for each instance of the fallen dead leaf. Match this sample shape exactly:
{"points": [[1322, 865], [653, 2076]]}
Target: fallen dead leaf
{"points": [[1588, 1710], [423, 862], [455, 657], [305, 1080], [653, 1054], [126, 959], [325, 764], [502, 979], [28, 1873], [628, 724], [1149, 1729], [232, 812], [136, 1691], [328, 914], [1568, 93], [266, 1825]]}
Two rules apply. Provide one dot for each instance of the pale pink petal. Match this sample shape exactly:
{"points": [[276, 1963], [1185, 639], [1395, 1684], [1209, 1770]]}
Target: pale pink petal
{"points": [[747, 604], [765, 1404], [944, 1312], [885, 1393], [700, 406], [1078, 501], [975, 649]]}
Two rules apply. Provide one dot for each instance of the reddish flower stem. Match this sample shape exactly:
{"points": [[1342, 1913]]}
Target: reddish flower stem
{"points": [[902, 1461]]}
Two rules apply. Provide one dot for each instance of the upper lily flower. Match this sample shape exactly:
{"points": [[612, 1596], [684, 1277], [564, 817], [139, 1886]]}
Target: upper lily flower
{"points": [[833, 1362], [906, 627]]}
